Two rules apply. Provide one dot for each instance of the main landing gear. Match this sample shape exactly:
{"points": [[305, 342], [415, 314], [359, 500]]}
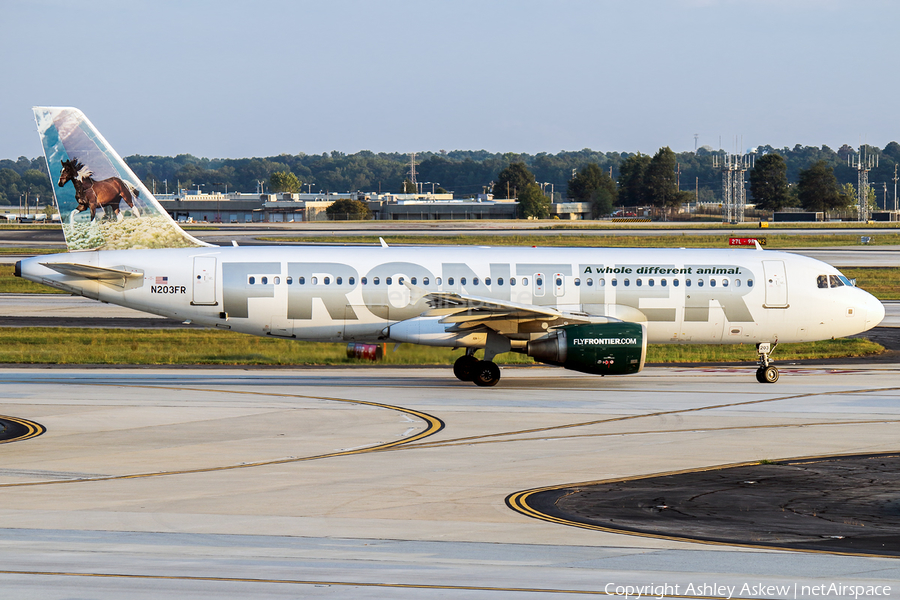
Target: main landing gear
{"points": [[483, 373], [766, 373]]}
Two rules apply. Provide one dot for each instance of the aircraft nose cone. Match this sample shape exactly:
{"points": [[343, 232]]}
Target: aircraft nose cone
{"points": [[874, 312]]}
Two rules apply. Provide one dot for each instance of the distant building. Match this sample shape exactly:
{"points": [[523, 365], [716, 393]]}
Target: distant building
{"points": [[236, 207]]}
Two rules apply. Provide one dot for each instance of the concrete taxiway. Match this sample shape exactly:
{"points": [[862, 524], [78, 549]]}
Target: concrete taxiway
{"points": [[391, 482]]}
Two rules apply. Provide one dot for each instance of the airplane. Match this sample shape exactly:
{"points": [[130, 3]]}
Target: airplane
{"points": [[592, 310]]}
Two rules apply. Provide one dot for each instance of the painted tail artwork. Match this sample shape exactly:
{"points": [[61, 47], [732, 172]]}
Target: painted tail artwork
{"points": [[102, 204]]}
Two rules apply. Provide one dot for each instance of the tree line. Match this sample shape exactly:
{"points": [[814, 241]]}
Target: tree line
{"points": [[606, 180]]}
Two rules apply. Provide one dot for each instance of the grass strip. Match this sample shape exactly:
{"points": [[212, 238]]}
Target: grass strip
{"points": [[596, 239], [10, 284], [36, 345], [881, 282]]}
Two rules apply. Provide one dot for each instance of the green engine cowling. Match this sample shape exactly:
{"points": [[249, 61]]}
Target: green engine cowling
{"points": [[602, 349]]}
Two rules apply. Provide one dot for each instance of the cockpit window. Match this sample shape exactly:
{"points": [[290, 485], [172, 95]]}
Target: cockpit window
{"points": [[836, 281], [850, 282], [822, 281]]}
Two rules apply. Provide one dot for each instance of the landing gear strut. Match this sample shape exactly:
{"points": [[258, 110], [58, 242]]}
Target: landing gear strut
{"points": [[483, 373], [766, 373]]}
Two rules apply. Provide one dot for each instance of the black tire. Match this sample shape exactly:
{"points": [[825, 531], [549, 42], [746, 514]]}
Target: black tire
{"points": [[761, 375], [464, 367], [770, 375], [487, 374]]}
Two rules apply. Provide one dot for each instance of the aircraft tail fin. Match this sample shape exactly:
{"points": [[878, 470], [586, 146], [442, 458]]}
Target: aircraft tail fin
{"points": [[101, 203]]}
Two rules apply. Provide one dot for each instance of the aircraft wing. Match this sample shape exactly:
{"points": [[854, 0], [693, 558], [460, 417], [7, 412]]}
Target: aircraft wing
{"points": [[503, 316]]}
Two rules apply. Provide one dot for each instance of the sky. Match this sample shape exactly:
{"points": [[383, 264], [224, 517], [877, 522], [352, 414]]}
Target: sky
{"points": [[230, 79]]}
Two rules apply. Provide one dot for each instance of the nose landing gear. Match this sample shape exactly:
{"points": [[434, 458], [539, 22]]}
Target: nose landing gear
{"points": [[766, 373]]}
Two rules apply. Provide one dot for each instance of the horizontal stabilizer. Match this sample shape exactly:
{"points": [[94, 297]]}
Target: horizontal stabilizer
{"points": [[117, 277]]}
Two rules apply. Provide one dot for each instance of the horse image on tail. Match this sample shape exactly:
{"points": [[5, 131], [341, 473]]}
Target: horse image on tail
{"points": [[93, 194]]}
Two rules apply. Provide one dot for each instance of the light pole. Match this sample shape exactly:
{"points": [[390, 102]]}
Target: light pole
{"points": [[551, 190]]}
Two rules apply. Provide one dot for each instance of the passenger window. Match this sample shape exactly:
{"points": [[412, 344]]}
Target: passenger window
{"points": [[558, 282], [301, 280], [687, 283], [601, 282], [724, 282], [749, 283], [487, 281], [662, 282], [675, 282], [413, 280], [639, 282], [462, 281], [499, 281], [474, 281], [327, 280], [699, 283], [252, 280], [438, 281], [339, 280], [449, 281], [363, 280], [737, 283], [424, 281], [352, 281], [539, 281], [712, 282], [627, 282], [512, 281], [836, 281], [822, 281], [577, 282], [376, 280], [265, 280], [615, 282], [314, 280], [289, 280], [388, 280], [524, 281]]}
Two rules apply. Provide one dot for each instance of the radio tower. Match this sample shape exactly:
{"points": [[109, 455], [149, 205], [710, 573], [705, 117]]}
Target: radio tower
{"points": [[863, 163], [734, 196], [412, 169]]}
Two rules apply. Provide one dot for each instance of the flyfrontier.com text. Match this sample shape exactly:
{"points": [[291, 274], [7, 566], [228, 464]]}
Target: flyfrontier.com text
{"points": [[604, 341]]}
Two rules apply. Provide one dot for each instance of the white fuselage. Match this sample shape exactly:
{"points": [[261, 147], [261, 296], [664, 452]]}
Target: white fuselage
{"points": [[345, 293]]}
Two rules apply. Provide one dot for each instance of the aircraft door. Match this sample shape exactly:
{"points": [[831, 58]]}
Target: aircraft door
{"points": [[776, 284], [204, 281]]}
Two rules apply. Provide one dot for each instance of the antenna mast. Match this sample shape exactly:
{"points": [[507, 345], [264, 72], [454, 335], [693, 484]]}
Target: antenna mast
{"points": [[412, 168], [895, 187], [863, 163], [734, 195]]}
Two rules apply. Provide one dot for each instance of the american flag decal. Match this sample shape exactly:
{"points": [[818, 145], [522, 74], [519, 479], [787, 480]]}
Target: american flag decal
{"points": [[162, 280]]}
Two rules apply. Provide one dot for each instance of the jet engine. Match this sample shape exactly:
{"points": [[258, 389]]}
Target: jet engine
{"points": [[602, 349]]}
